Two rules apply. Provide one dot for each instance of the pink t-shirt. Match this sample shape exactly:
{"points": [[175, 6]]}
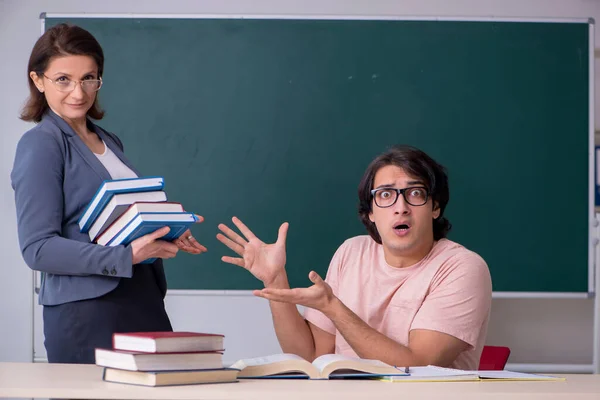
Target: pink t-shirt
{"points": [[449, 291]]}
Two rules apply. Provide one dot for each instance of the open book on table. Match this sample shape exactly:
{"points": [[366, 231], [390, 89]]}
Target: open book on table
{"points": [[432, 373], [328, 366]]}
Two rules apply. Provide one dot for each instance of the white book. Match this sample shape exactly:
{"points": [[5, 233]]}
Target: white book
{"points": [[131, 212], [112, 187], [138, 361], [433, 373], [505, 375], [118, 204], [146, 223]]}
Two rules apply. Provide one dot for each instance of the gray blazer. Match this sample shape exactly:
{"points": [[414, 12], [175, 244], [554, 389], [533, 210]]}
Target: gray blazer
{"points": [[54, 177]]}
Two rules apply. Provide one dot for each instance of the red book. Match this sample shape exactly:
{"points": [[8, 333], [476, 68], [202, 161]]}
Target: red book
{"points": [[167, 342]]}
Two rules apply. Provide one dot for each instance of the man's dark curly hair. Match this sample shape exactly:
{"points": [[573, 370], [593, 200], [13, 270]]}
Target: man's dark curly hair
{"points": [[417, 164]]}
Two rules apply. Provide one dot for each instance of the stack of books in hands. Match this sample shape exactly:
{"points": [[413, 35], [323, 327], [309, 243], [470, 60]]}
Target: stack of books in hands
{"points": [[165, 358], [125, 209]]}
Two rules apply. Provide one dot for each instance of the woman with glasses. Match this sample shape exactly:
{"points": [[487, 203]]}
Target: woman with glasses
{"points": [[88, 291]]}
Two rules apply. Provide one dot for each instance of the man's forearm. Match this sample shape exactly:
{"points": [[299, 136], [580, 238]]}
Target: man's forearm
{"points": [[292, 331], [366, 341]]}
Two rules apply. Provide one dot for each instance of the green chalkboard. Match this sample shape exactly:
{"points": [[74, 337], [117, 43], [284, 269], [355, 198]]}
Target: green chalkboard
{"points": [[275, 120]]}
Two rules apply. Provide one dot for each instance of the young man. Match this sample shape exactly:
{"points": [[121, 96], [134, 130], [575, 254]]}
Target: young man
{"points": [[405, 294]]}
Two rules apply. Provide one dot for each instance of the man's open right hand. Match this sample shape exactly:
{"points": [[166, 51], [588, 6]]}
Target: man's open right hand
{"points": [[265, 261]]}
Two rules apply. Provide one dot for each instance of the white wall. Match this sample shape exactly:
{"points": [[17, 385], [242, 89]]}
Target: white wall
{"points": [[538, 331]]}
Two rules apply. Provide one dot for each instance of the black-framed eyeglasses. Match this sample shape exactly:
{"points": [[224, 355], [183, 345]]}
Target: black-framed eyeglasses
{"points": [[68, 85], [387, 197]]}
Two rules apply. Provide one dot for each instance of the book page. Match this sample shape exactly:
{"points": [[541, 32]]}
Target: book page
{"points": [[433, 371], [253, 362], [509, 375], [433, 374], [323, 361]]}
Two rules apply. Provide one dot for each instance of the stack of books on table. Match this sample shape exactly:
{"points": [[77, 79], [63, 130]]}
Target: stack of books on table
{"points": [[123, 210], [165, 358]]}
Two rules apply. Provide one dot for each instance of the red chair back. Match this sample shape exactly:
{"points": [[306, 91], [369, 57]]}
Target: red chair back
{"points": [[493, 358]]}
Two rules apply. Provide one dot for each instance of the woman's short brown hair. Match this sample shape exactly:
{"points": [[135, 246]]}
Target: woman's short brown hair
{"points": [[60, 40], [417, 164]]}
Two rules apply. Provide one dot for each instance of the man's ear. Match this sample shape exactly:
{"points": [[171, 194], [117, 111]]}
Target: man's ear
{"points": [[436, 210], [37, 81]]}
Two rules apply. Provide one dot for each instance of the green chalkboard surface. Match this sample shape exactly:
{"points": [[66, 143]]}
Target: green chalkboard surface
{"points": [[275, 120]]}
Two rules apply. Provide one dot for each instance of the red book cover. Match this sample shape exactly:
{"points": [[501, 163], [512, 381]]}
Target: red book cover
{"points": [[160, 335], [145, 353], [168, 342]]}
